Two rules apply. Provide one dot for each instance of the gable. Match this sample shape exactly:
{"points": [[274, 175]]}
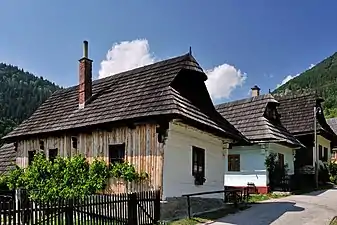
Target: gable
{"points": [[191, 85]]}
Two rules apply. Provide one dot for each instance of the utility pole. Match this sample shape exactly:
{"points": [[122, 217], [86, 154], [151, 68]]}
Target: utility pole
{"points": [[315, 146]]}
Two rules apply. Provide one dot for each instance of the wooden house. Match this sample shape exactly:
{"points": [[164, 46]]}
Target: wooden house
{"points": [[298, 116], [159, 117], [258, 119]]}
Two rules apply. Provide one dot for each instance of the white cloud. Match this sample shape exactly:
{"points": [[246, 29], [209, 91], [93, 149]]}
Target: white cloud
{"points": [[289, 77], [223, 79], [126, 55]]}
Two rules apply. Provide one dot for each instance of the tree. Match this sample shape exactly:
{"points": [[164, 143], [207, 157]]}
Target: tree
{"points": [[21, 93]]}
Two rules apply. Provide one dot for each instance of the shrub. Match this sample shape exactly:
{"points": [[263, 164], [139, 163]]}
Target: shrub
{"points": [[275, 171], [333, 172], [67, 177]]}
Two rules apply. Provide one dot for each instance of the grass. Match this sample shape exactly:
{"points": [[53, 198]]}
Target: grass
{"points": [[261, 197], [206, 217], [333, 221]]}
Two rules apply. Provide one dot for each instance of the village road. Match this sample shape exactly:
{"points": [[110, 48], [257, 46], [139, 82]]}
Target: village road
{"points": [[315, 208]]}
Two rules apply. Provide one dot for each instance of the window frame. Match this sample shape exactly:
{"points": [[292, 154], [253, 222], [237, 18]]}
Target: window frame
{"points": [[230, 166], [325, 154], [320, 152], [52, 157], [280, 159], [31, 155], [74, 142], [198, 161], [120, 148], [41, 143]]}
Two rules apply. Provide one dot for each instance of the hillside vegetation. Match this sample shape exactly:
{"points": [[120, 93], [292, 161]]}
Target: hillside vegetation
{"points": [[20, 95], [323, 79]]}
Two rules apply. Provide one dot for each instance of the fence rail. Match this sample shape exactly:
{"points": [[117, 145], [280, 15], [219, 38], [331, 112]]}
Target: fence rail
{"points": [[142, 208], [234, 195]]}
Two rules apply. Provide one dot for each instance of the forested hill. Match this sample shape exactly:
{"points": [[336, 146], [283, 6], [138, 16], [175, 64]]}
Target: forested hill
{"points": [[20, 95], [323, 79]]}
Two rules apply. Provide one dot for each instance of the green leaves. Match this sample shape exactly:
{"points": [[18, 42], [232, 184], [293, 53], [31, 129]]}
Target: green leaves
{"points": [[127, 172], [68, 177]]}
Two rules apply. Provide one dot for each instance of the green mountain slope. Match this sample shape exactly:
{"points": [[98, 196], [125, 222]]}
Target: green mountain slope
{"points": [[20, 95], [323, 79]]}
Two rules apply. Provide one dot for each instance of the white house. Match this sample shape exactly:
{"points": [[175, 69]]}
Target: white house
{"points": [[257, 118], [159, 117]]}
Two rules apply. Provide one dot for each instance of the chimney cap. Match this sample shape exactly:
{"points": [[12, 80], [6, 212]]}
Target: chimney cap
{"points": [[256, 88], [85, 49]]}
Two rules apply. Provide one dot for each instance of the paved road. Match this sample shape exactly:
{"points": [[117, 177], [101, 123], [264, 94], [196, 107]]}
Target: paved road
{"points": [[316, 208]]}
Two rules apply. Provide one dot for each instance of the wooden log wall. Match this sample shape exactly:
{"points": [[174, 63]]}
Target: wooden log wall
{"points": [[142, 149]]}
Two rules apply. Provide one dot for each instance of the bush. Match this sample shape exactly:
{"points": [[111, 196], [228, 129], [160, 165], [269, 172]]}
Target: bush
{"points": [[333, 172], [67, 177], [276, 172]]}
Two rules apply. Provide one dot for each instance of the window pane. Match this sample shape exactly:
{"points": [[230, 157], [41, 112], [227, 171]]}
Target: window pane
{"points": [[116, 153], [320, 152], [234, 162], [30, 157], [325, 157], [198, 161], [52, 154]]}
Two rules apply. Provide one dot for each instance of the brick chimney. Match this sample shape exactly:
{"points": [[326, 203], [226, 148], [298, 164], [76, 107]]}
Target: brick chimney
{"points": [[255, 91], [85, 77]]}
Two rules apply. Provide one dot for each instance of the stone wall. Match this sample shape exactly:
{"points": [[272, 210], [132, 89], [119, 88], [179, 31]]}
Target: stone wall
{"points": [[175, 208]]}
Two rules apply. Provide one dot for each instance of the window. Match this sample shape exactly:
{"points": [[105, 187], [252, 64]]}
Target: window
{"points": [[320, 152], [198, 165], [325, 157], [198, 161], [116, 153], [280, 158], [74, 142], [30, 157], [271, 113], [52, 154], [41, 145], [234, 162]]}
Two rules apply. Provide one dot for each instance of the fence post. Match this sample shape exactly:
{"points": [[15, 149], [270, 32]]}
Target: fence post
{"points": [[189, 207], [157, 207], [132, 209], [17, 200], [69, 212]]}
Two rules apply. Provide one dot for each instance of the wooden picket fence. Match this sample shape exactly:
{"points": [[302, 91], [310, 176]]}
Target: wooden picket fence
{"points": [[142, 208]]}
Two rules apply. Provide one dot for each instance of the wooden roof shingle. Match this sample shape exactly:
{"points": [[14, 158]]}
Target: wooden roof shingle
{"points": [[137, 93], [247, 115], [297, 112], [332, 122]]}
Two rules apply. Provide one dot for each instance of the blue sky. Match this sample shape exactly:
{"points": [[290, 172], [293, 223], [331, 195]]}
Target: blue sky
{"points": [[266, 40]]}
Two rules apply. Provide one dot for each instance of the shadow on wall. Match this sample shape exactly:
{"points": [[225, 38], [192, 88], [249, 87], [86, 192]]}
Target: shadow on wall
{"points": [[261, 213]]}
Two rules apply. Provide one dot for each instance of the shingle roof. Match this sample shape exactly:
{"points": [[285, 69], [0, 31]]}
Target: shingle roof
{"points": [[136, 93], [7, 157], [297, 112], [247, 115], [332, 122]]}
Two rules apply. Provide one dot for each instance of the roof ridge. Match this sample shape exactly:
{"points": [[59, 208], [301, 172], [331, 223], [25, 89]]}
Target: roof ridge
{"points": [[297, 93], [104, 79], [245, 100]]}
